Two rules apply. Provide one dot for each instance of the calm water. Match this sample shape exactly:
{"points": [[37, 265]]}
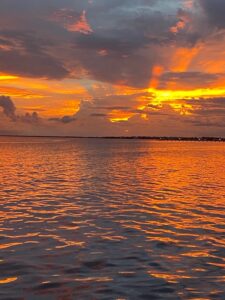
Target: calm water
{"points": [[111, 219]]}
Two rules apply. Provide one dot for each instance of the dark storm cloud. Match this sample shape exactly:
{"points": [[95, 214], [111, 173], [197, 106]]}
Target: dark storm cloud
{"points": [[207, 113], [25, 54], [30, 65], [215, 10], [131, 38], [122, 45], [30, 7], [133, 70], [126, 45], [117, 45], [123, 54], [125, 108], [115, 102], [64, 119], [214, 107], [24, 41], [190, 80], [207, 103], [207, 123], [125, 39], [30, 118], [9, 110], [8, 107], [98, 115]]}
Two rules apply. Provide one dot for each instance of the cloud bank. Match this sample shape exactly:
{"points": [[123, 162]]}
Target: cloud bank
{"points": [[113, 67]]}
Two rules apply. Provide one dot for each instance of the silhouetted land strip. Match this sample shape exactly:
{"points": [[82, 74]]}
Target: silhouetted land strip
{"points": [[157, 138], [194, 139]]}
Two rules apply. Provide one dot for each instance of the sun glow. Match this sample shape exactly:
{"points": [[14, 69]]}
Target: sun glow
{"points": [[8, 77], [175, 99], [120, 116], [159, 96]]}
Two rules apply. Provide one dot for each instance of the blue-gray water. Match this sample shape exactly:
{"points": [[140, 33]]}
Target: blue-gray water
{"points": [[111, 219]]}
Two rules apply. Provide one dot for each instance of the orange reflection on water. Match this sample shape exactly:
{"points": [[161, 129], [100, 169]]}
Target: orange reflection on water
{"points": [[8, 280], [91, 213], [172, 278]]}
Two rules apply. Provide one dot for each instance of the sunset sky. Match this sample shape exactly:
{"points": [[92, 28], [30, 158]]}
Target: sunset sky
{"points": [[112, 67]]}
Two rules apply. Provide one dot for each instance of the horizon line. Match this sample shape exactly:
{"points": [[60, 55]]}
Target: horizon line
{"points": [[159, 138]]}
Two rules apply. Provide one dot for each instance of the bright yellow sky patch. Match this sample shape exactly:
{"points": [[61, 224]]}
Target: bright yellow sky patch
{"points": [[7, 77], [160, 96], [119, 116]]}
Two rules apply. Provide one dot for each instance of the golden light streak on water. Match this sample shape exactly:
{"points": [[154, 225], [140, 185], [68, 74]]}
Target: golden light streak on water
{"points": [[8, 280]]}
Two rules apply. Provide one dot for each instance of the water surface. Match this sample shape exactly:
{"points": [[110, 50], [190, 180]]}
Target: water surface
{"points": [[111, 219]]}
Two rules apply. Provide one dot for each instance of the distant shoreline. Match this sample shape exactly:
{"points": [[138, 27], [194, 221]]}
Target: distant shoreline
{"points": [[156, 138]]}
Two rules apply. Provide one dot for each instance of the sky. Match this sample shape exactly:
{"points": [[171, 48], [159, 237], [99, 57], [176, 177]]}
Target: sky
{"points": [[112, 67]]}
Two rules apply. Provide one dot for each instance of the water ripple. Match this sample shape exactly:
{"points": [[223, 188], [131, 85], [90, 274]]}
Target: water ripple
{"points": [[96, 219]]}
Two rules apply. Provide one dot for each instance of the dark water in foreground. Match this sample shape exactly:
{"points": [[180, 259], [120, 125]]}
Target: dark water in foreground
{"points": [[111, 219]]}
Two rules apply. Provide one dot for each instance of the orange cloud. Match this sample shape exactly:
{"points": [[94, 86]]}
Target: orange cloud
{"points": [[50, 98], [65, 108], [125, 90], [156, 72], [81, 25], [119, 116], [17, 92], [184, 20], [179, 26], [181, 108], [5, 48], [211, 58], [182, 58]]}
